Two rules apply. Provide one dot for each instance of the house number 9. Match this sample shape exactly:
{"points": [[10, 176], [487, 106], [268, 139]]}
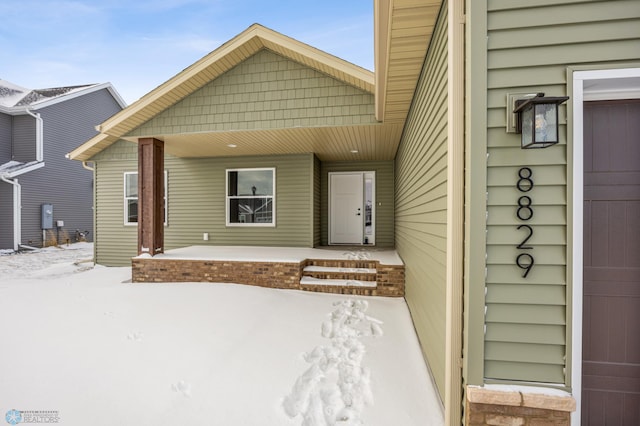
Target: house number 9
{"points": [[524, 212]]}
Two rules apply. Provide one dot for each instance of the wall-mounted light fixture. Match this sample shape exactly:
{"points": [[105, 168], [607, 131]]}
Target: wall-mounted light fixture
{"points": [[537, 120]]}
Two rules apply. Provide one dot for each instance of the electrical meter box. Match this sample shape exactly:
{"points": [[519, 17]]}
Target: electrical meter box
{"points": [[47, 216]]}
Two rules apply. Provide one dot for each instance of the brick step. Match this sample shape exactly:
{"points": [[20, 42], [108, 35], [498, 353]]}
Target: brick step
{"points": [[339, 269], [341, 276], [336, 263], [340, 273], [333, 282]]}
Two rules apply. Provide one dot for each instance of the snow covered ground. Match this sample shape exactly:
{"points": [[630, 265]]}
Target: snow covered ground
{"points": [[83, 346]]}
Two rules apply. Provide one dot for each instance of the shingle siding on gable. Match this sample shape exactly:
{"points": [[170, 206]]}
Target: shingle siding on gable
{"points": [[267, 91]]}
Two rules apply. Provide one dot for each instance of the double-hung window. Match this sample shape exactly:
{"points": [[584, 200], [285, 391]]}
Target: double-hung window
{"points": [[131, 198], [251, 197]]}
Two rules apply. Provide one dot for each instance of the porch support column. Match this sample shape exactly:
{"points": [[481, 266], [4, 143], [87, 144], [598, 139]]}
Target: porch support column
{"points": [[150, 196]]}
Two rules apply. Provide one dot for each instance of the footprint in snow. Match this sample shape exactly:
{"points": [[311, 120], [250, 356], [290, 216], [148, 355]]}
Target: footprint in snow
{"points": [[136, 336], [182, 387]]}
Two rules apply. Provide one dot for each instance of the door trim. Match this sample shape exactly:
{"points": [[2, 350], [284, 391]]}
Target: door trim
{"points": [[365, 175], [617, 83]]}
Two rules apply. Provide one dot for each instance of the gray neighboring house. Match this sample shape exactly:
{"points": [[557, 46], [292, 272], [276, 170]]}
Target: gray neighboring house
{"points": [[37, 129]]}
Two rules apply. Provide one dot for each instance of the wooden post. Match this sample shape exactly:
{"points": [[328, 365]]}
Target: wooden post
{"points": [[150, 196]]}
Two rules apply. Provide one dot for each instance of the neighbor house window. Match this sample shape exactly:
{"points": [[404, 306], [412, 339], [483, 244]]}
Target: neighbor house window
{"points": [[131, 198], [251, 197]]}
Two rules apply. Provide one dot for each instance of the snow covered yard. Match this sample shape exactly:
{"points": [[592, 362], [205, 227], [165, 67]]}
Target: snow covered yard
{"points": [[93, 349]]}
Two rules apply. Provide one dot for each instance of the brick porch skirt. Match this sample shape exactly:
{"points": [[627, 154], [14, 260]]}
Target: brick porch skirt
{"points": [[506, 408], [284, 275]]}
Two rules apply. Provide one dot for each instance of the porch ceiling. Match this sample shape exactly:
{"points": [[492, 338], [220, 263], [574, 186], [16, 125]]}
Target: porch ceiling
{"points": [[372, 142]]}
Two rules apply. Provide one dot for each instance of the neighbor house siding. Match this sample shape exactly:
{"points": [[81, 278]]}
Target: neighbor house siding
{"points": [[24, 138], [6, 215], [5, 138], [383, 195], [196, 203], [6, 190], [529, 47], [421, 202], [64, 183], [266, 91]]}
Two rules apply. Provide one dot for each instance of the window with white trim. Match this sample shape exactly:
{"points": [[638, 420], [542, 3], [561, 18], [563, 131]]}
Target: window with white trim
{"points": [[251, 197], [131, 198]]}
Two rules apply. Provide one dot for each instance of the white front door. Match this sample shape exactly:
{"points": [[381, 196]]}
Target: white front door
{"points": [[346, 208]]}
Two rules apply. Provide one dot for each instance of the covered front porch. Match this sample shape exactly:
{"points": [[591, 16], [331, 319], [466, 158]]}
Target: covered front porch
{"points": [[343, 270]]}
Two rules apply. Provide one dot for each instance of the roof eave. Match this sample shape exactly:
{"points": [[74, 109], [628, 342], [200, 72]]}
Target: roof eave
{"points": [[402, 30], [17, 110], [90, 148]]}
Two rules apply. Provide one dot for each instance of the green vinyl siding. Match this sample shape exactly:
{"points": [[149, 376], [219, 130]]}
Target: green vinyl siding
{"points": [[317, 202], [114, 243], [266, 91], [384, 196], [196, 203], [421, 203], [529, 48]]}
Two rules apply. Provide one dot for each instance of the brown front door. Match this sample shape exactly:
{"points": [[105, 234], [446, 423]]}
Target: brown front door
{"points": [[611, 323]]}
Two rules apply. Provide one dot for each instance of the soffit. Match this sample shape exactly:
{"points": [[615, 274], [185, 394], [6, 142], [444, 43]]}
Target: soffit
{"points": [[335, 143], [403, 30]]}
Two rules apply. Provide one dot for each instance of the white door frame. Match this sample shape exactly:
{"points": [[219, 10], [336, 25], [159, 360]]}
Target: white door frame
{"points": [[599, 84], [365, 176]]}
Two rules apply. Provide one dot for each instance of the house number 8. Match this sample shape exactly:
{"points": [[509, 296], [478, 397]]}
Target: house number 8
{"points": [[524, 212]]}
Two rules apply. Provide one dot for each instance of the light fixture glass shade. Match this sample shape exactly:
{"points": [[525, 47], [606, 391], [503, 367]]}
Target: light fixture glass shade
{"points": [[538, 121], [546, 123], [527, 127]]}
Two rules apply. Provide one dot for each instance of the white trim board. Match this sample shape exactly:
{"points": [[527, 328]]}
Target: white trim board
{"points": [[603, 84]]}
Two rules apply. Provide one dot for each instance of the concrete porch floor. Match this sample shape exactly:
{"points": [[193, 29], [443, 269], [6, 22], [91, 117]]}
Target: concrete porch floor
{"points": [[282, 254]]}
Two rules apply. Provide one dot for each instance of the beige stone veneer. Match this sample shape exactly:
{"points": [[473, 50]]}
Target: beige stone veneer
{"points": [[517, 408]]}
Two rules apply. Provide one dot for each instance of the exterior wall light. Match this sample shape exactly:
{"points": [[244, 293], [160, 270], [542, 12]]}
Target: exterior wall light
{"points": [[537, 120]]}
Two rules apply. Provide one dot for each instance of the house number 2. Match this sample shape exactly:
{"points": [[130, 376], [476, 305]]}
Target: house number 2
{"points": [[524, 212]]}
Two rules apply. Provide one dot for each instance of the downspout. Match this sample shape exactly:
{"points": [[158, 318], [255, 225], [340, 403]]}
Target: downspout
{"points": [[39, 135], [17, 207], [17, 189]]}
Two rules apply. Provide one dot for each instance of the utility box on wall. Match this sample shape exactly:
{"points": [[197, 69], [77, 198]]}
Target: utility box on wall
{"points": [[47, 216]]}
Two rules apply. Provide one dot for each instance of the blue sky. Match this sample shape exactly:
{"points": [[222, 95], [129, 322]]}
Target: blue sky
{"points": [[139, 44]]}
